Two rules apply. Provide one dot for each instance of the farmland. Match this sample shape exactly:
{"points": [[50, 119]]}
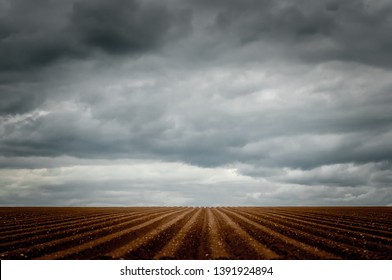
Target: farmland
{"points": [[196, 233]]}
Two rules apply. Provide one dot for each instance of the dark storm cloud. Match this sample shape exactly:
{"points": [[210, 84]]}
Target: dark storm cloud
{"points": [[289, 95], [121, 26], [311, 30], [82, 193], [36, 37], [33, 35], [352, 175], [21, 101], [121, 123]]}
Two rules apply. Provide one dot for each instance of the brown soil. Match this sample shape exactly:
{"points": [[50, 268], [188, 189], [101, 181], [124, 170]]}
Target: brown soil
{"points": [[196, 233]]}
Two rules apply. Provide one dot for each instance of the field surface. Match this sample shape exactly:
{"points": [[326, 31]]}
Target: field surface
{"points": [[196, 233]]}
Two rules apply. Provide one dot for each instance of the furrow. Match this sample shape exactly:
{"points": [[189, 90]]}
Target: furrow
{"points": [[215, 240], [341, 225], [196, 233], [283, 239], [341, 234], [335, 215], [172, 248], [59, 221], [112, 234], [331, 241], [248, 241], [73, 229], [17, 226], [53, 246], [127, 249], [202, 251], [53, 229]]}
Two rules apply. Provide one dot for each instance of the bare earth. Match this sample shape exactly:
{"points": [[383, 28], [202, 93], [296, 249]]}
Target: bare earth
{"points": [[196, 233]]}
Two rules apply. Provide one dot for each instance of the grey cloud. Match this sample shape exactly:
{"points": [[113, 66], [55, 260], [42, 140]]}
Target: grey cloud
{"points": [[312, 31], [125, 192], [18, 102], [110, 121], [294, 195], [38, 39], [261, 86], [34, 34], [55, 30], [93, 194], [323, 31], [56, 135], [121, 26], [307, 151], [340, 175]]}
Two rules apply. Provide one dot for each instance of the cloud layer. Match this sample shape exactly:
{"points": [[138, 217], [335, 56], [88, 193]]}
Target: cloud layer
{"points": [[195, 102]]}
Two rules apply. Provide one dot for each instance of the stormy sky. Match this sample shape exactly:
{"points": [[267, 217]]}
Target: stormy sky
{"points": [[195, 102]]}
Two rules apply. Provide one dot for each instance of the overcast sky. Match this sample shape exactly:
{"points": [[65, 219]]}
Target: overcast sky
{"points": [[195, 102]]}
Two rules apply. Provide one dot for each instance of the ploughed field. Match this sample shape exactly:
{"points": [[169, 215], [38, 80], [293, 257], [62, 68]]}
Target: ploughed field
{"points": [[196, 233]]}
